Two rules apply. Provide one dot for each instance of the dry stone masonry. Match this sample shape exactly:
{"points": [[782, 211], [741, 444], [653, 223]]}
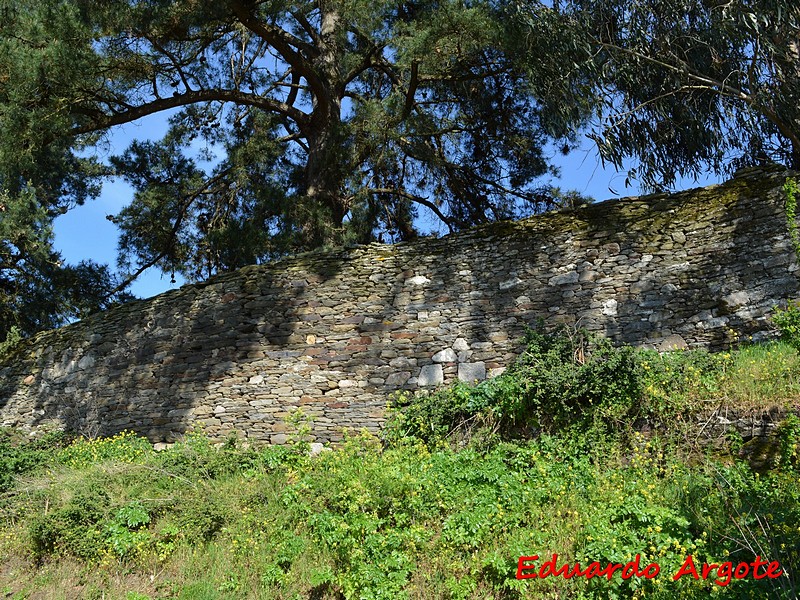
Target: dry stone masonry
{"points": [[336, 332]]}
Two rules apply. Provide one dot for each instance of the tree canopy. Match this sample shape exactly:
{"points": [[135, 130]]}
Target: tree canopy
{"points": [[331, 121], [295, 124], [37, 291], [686, 86]]}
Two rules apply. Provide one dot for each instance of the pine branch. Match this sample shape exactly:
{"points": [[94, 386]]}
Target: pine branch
{"points": [[210, 95]]}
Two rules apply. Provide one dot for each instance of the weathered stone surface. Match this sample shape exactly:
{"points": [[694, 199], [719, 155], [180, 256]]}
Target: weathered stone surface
{"points": [[673, 342], [316, 448], [419, 280], [87, 362], [336, 332], [610, 307], [510, 283], [430, 375], [736, 300], [461, 345], [445, 356], [471, 372], [564, 278]]}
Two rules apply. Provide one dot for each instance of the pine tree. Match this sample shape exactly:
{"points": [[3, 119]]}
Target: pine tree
{"points": [[330, 121]]}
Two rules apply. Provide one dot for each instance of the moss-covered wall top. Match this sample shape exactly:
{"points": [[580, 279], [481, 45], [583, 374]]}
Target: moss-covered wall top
{"points": [[336, 332]]}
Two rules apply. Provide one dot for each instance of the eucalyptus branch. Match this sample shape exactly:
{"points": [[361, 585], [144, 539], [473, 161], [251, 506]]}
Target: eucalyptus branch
{"points": [[721, 87], [622, 116]]}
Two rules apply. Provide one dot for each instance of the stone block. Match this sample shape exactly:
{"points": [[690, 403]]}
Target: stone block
{"points": [[510, 283], [673, 342], [610, 307], [445, 356], [398, 379], [564, 279], [460, 345], [735, 300], [418, 280], [642, 286], [430, 375], [495, 372], [471, 372]]}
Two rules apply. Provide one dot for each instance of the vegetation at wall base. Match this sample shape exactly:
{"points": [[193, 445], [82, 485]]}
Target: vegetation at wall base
{"points": [[442, 512], [568, 379], [790, 191]]}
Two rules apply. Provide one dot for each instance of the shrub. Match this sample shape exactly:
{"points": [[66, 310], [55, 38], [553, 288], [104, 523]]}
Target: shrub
{"points": [[13, 338], [572, 377], [370, 521], [18, 456], [74, 529], [675, 383], [125, 446], [203, 517], [125, 533], [787, 321], [563, 378], [789, 442]]}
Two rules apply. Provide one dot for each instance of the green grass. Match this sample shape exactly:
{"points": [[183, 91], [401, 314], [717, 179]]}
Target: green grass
{"points": [[763, 377], [410, 518], [370, 522]]}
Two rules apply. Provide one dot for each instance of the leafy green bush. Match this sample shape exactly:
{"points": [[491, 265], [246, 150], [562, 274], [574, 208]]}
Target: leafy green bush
{"points": [[789, 441], [428, 519], [370, 520], [204, 517], [125, 446], [564, 378], [791, 192], [573, 377], [13, 337], [125, 531], [787, 321], [74, 529], [675, 384], [19, 455], [571, 380]]}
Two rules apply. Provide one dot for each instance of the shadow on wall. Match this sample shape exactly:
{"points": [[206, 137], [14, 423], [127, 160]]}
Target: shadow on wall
{"points": [[155, 365], [334, 333], [700, 268], [464, 308]]}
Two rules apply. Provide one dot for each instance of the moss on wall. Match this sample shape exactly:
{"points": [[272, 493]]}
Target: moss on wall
{"points": [[335, 332]]}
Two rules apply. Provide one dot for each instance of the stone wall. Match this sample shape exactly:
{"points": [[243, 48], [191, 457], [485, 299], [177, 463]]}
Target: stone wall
{"points": [[337, 332]]}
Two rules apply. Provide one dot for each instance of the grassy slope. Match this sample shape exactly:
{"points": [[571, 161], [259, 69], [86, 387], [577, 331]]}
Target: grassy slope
{"points": [[113, 519]]}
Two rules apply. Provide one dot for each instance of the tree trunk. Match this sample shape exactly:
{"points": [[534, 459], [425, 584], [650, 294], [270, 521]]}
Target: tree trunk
{"points": [[324, 181], [324, 174], [794, 159]]}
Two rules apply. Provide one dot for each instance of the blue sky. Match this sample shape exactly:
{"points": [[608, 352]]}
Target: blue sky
{"points": [[85, 233]]}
